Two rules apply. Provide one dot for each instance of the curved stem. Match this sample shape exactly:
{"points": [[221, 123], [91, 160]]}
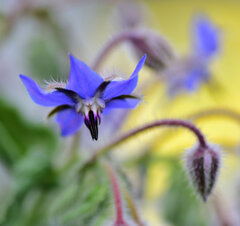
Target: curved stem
{"points": [[222, 112], [165, 122], [109, 46], [215, 111]]}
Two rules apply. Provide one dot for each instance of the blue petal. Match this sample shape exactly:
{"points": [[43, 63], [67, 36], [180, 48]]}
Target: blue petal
{"points": [[83, 80], [123, 103], [195, 77], [41, 97], [69, 121], [206, 38], [117, 88]]}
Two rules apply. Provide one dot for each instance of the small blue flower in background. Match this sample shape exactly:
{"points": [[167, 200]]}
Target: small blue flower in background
{"points": [[188, 73], [85, 97], [205, 46]]}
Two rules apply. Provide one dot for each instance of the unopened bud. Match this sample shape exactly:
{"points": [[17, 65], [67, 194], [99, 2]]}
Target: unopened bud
{"points": [[203, 165], [158, 50]]}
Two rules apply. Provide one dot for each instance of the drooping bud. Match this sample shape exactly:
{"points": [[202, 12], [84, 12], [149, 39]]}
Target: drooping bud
{"points": [[202, 164], [160, 53]]}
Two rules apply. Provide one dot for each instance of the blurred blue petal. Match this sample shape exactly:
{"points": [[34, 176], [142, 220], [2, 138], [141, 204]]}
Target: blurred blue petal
{"points": [[206, 37], [117, 88], [41, 97], [69, 121], [123, 103], [83, 80], [195, 77]]}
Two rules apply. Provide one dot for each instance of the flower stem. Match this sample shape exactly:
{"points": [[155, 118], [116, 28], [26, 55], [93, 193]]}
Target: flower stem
{"points": [[203, 114], [215, 111], [119, 221], [132, 208], [165, 122], [109, 46]]}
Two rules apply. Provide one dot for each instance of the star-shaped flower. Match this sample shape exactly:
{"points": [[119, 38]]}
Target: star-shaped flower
{"points": [[85, 97], [190, 72]]}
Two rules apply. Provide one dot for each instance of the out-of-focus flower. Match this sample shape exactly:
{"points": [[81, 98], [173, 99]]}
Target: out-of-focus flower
{"points": [[203, 166], [85, 97], [189, 72]]}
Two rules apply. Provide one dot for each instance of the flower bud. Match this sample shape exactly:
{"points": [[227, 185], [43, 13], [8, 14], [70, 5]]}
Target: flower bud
{"points": [[202, 164], [158, 50]]}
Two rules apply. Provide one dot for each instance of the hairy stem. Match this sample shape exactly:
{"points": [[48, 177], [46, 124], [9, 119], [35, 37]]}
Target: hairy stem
{"points": [[165, 122], [119, 221], [211, 112], [109, 46]]}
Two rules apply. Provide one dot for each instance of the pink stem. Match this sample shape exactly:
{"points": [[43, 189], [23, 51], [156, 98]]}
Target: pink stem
{"points": [[119, 221], [109, 46], [165, 122]]}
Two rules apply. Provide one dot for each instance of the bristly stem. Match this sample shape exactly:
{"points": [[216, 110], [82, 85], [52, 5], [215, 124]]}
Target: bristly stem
{"points": [[109, 46], [119, 220], [165, 122]]}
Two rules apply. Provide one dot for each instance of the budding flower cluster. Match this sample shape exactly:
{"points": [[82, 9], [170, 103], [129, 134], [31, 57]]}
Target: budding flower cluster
{"points": [[203, 164]]}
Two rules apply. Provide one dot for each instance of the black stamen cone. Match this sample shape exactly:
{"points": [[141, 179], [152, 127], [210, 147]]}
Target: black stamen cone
{"points": [[92, 125]]}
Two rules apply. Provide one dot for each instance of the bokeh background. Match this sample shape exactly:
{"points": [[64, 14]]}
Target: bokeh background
{"points": [[38, 185]]}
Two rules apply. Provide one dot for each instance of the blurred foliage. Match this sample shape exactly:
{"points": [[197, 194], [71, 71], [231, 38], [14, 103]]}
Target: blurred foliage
{"points": [[18, 138], [26, 150], [44, 60], [42, 195], [85, 200], [70, 203]]}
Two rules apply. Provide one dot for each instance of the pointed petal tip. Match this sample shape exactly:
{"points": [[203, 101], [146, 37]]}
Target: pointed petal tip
{"points": [[24, 77], [139, 66], [144, 57], [71, 57]]}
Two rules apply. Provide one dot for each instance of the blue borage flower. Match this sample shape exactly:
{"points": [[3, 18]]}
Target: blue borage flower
{"points": [[205, 46], [189, 72], [85, 97]]}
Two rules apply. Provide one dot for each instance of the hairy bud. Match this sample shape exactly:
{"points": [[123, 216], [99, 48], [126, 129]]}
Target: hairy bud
{"points": [[159, 52], [203, 165]]}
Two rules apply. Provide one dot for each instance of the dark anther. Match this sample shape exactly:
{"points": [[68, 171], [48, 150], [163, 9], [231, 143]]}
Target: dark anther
{"points": [[92, 124]]}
